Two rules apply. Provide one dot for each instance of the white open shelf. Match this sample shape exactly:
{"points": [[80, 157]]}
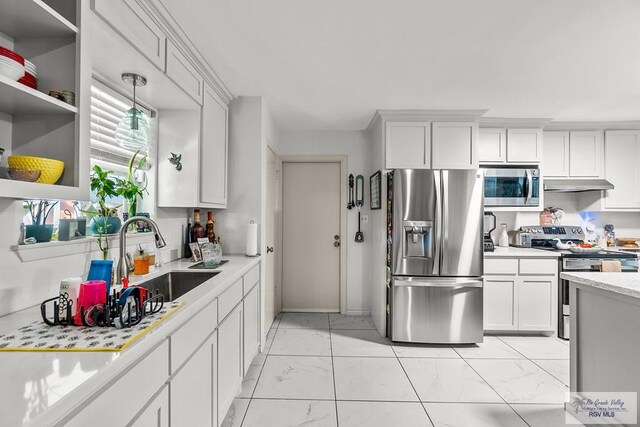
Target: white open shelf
{"points": [[16, 98], [43, 20]]}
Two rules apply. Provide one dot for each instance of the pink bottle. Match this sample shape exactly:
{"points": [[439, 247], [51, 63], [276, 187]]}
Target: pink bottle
{"points": [[92, 292]]}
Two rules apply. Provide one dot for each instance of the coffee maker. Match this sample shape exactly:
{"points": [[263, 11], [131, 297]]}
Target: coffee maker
{"points": [[489, 226]]}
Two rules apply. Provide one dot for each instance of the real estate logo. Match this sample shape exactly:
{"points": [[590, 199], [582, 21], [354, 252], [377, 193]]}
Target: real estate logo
{"points": [[602, 408]]}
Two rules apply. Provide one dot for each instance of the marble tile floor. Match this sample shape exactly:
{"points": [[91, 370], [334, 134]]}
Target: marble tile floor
{"points": [[331, 370]]}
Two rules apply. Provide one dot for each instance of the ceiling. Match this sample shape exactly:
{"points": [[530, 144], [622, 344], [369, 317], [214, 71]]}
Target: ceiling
{"points": [[330, 64]]}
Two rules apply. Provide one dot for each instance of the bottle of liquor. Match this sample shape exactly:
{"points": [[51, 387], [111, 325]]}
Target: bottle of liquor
{"points": [[187, 241], [197, 231], [211, 227]]}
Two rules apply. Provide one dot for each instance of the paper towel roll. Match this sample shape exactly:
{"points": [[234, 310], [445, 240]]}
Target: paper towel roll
{"points": [[252, 239], [69, 289]]}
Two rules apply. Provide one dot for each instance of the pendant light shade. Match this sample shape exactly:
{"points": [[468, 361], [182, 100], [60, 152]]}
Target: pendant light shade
{"points": [[133, 130]]}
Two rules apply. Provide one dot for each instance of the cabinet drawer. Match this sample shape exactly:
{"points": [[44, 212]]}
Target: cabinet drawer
{"points": [[131, 21], [229, 299], [538, 266], [183, 73], [500, 266], [185, 340], [251, 278], [136, 387]]}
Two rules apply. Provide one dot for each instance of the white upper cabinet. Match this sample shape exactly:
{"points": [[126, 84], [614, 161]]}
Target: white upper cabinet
{"points": [[214, 151], [585, 154], [524, 145], [453, 145], [492, 145], [129, 19], [622, 157], [183, 73], [556, 154], [408, 145]]}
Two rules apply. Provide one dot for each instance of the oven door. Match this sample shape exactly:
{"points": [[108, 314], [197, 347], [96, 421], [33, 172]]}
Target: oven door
{"points": [[510, 187]]}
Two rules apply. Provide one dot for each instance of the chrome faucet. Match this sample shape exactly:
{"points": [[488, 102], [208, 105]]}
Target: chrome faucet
{"points": [[125, 265]]}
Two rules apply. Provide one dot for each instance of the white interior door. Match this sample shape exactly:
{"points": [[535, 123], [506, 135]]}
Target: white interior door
{"points": [[310, 224], [270, 309]]}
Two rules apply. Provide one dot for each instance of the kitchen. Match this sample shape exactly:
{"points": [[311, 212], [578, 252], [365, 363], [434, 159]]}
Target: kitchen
{"points": [[241, 117]]}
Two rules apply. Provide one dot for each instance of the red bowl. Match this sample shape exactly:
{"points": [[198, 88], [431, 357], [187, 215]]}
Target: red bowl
{"points": [[29, 77], [11, 54], [31, 84]]}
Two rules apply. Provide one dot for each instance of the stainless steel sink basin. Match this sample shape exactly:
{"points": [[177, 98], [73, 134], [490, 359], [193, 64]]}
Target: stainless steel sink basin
{"points": [[175, 284]]}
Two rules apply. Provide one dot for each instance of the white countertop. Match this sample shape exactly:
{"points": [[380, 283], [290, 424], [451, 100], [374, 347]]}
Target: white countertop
{"points": [[520, 252], [42, 387], [620, 283]]}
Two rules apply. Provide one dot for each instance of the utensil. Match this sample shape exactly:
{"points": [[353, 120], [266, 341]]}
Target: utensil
{"points": [[359, 234], [359, 203], [27, 175], [51, 169], [350, 205]]}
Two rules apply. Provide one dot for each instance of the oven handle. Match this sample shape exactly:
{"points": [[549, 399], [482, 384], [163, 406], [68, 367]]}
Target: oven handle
{"points": [[528, 184]]}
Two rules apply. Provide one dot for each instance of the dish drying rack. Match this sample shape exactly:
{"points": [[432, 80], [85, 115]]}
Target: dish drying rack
{"points": [[112, 313]]}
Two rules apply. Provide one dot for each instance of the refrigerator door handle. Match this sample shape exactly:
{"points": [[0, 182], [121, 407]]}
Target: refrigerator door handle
{"points": [[438, 228], [437, 282], [444, 197]]}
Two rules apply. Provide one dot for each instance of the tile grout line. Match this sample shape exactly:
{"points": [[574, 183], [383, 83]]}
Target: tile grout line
{"points": [[333, 371], [494, 390], [410, 383]]}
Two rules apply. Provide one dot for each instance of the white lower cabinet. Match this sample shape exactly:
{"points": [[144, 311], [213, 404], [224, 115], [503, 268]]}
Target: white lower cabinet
{"points": [[230, 371], [251, 326], [156, 414], [192, 388], [522, 299]]}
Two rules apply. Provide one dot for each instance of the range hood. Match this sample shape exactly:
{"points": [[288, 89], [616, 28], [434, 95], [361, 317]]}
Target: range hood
{"points": [[576, 185]]}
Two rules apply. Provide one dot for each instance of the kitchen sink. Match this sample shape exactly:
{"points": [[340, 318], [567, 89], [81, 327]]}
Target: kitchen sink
{"points": [[177, 283]]}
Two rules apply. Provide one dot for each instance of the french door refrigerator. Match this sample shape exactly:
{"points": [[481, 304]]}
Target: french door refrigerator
{"points": [[435, 254]]}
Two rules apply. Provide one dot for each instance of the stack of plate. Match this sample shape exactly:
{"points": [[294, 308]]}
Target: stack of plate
{"points": [[11, 64], [30, 75]]}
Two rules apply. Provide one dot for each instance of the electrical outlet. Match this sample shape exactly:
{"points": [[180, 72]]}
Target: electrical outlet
{"points": [[364, 218]]}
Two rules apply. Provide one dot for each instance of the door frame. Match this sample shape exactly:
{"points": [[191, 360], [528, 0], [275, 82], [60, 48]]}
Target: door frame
{"points": [[343, 218]]}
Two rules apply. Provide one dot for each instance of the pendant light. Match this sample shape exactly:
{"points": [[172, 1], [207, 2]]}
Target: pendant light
{"points": [[133, 130]]}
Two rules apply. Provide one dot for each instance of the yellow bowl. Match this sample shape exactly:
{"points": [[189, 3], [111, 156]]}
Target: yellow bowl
{"points": [[51, 169]]}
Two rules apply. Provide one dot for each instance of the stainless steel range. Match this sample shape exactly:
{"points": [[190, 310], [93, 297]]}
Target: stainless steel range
{"points": [[544, 237]]}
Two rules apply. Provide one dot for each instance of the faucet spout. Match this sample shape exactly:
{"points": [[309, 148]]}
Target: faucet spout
{"points": [[122, 269]]}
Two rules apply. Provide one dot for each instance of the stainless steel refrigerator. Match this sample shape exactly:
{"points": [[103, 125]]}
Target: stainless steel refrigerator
{"points": [[436, 256]]}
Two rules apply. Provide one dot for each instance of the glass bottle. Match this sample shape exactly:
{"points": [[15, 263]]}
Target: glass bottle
{"points": [[187, 241], [197, 230], [211, 227]]}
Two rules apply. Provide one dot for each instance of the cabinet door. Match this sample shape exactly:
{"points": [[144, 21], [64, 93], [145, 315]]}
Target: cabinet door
{"points": [[213, 163], [555, 162], [524, 145], [536, 303], [183, 73], [230, 357], [453, 145], [132, 22], [251, 326], [585, 154], [157, 413], [500, 303], [492, 146], [622, 157], [408, 145], [191, 390]]}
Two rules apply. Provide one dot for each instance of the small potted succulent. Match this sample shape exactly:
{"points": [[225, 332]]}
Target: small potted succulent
{"points": [[39, 229]]}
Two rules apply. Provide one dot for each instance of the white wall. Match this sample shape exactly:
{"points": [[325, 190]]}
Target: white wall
{"points": [[355, 145]]}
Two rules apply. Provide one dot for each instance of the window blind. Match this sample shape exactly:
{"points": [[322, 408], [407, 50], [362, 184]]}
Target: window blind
{"points": [[107, 109]]}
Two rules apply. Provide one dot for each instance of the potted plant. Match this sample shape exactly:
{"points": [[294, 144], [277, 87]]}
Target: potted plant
{"points": [[104, 217], [39, 229], [128, 188]]}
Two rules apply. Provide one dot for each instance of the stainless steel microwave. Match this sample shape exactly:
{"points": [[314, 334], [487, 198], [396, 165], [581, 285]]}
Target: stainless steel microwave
{"points": [[511, 187]]}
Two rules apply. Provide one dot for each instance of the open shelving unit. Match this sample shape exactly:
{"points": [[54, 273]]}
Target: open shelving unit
{"points": [[49, 34]]}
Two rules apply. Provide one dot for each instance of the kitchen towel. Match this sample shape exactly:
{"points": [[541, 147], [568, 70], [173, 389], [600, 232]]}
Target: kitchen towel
{"points": [[611, 267], [252, 239], [39, 336]]}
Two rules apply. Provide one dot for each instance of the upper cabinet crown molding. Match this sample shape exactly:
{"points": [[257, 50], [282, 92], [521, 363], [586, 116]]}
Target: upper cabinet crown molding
{"points": [[513, 123], [593, 126], [425, 116]]}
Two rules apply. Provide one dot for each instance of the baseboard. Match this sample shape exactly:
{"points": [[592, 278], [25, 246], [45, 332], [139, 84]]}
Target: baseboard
{"points": [[358, 312]]}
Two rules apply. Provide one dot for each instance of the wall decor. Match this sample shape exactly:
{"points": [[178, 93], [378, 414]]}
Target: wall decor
{"points": [[375, 190]]}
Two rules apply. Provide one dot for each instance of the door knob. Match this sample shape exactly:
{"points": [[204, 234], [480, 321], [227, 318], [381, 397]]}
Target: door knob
{"points": [[336, 244], [336, 237], [269, 249]]}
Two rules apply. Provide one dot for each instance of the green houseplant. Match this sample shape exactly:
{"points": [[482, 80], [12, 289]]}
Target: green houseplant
{"points": [[128, 188], [39, 211], [104, 217]]}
